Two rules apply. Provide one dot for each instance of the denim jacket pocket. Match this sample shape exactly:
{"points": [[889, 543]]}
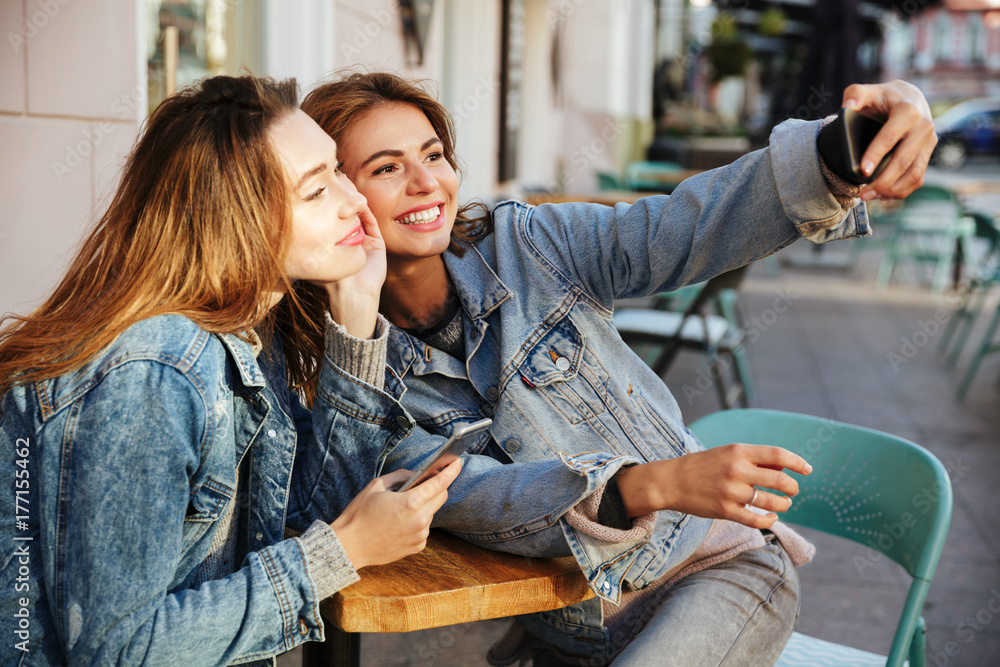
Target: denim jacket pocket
{"points": [[554, 367], [207, 506]]}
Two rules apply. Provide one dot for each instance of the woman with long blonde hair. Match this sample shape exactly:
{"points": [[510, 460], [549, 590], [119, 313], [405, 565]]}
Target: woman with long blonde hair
{"points": [[150, 423]]}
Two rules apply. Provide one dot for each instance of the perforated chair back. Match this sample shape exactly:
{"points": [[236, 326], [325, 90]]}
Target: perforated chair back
{"points": [[874, 488]]}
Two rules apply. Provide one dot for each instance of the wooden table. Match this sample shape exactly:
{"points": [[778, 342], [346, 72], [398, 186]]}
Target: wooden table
{"points": [[449, 582]]}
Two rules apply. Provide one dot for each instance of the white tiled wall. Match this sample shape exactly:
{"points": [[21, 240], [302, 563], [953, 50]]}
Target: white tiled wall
{"points": [[12, 49], [64, 130]]}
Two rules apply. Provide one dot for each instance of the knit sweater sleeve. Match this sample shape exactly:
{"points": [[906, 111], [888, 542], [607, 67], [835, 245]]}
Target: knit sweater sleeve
{"points": [[364, 358], [329, 566]]}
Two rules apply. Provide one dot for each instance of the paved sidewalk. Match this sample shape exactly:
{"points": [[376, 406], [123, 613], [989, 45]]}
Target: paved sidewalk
{"points": [[843, 351]]}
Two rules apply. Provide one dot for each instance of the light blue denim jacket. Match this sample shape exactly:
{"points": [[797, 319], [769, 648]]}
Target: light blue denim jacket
{"points": [[570, 404], [118, 475]]}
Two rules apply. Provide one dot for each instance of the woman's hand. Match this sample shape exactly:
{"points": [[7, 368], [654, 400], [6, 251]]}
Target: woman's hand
{"points": [[717, 483], [381, 525], [908, 127], [354, 300]]}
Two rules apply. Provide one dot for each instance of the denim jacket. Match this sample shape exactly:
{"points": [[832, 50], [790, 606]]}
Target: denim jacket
{"points": [[123, 469], [570, 403]]}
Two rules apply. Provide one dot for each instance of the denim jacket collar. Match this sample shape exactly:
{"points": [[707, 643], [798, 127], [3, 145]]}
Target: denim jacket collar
{"points": [[480, 292], [245, 361]]}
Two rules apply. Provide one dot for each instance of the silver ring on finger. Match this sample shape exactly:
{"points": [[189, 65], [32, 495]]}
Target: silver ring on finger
{"points": [[754, 499]]}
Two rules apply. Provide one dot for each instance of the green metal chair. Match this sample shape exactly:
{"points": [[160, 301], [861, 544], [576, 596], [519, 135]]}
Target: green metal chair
{"points": [[928, 228], [863, 488], [657, 334], [973, 297], [609, 181], [641, 175]]}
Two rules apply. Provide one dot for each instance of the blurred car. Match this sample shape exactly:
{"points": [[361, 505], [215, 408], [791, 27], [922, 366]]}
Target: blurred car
{"points": [[968, 128]]}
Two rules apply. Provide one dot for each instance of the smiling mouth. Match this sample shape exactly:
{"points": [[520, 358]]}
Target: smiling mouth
{"points": [[420, 217]]}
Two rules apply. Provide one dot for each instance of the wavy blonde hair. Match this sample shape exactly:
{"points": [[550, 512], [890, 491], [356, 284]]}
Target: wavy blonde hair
{"points": [[198, 227]]}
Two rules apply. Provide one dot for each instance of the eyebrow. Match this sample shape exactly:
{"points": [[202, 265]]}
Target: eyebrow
{"points": [[309, 174], [397, 153]]}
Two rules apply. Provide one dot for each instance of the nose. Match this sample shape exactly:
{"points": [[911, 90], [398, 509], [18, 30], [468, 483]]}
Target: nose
{"points": [[422, 181], [354, 202]]}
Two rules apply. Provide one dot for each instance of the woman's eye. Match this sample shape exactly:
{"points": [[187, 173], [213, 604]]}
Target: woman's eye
{"points": [[434, 157], [315, 194], [339, 169], [387, 169]]}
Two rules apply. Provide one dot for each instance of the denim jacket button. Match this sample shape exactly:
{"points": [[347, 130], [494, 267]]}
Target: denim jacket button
{"points": [[562, 363], [271, 433], [606, 586], [474, 334], [512, 446], [259, 536], [303, 628], [492, 394], [402, 422]]}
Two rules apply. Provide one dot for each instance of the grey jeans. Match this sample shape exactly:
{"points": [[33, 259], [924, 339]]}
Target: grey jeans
{"points": [[739, 612]]}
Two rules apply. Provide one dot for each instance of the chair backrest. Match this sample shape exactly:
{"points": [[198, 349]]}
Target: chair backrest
{"points": [[986, 229], [637, 173], [864, 482], [608, 181], [931, 193], [874, 488]]}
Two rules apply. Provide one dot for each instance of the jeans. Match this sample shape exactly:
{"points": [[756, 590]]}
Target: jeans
{"points": [[739, 612]]}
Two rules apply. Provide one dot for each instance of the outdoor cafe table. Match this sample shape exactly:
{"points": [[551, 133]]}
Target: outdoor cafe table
{"points": [[449, 582]]}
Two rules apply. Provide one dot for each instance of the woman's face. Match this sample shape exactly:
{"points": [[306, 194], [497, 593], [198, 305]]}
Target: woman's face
{"points": [[326, 224], [396, 160]]}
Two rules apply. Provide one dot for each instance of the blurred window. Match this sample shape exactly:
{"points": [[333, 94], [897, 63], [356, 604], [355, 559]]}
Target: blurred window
{"points": [[190, 39]]}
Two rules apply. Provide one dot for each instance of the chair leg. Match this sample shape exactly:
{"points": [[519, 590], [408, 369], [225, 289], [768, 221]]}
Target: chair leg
{"points": [[985, 348], [941, 268], [341, 649], [957, 317], [968, 323], [741, 374], [918, 645], [885, 271]]}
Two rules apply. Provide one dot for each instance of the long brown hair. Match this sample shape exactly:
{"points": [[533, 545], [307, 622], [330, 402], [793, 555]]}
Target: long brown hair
{"points": [[198, 227], [338, 104]]}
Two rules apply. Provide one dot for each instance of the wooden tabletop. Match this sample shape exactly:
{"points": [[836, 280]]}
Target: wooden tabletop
{"points": [[451, 582]]}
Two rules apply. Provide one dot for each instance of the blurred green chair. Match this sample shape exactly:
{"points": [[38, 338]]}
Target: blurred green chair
{"points": [[928, 228], [863, 488], [608, 181], [699, 317], [641, 175], [973, 297]]}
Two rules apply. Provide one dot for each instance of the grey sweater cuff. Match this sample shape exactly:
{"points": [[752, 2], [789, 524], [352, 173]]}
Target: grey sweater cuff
{"points": [[364, 358], [328, 564]]}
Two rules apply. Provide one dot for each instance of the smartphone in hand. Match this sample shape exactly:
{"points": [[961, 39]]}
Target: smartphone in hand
{"points": [[449, 451], [844, 141]]}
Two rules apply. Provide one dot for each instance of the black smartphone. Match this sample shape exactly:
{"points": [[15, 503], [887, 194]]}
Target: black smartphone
{"points": [[449, 451], [844, 141]]}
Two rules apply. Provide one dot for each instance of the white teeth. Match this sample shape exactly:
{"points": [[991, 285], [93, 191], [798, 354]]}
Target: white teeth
{"points": [[420, 216]]}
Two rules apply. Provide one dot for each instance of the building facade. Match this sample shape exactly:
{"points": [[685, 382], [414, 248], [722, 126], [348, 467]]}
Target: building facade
{"points": [[544, 92]]}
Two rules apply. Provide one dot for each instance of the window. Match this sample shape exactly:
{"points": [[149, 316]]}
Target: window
{"points": [[188, 40]]}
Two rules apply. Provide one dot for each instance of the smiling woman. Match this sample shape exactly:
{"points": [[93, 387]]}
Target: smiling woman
{"points": [[147, 411], [507, 314]]}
